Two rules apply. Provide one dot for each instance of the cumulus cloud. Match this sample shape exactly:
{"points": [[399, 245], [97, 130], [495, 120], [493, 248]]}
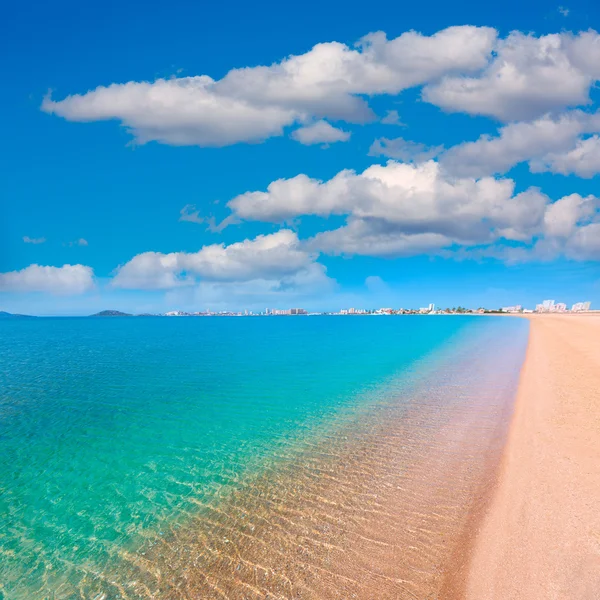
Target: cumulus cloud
{"points": [[548, 144], [320, 132], [528, 77], [585, 243], [564, 217], [377, 238], [181, 112], [404, 209], [277, 258], [68, 279], [406, 198], [254, 103], [403, 150], [463, 68], [29, 240], [308, 285], [582, 160], [570, 228]]}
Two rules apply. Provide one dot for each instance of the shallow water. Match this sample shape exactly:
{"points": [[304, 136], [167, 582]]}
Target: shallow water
{"points": [[246, 458]]}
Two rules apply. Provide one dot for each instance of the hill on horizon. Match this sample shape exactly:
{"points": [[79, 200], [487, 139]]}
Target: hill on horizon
{"points": [[7, 315]]}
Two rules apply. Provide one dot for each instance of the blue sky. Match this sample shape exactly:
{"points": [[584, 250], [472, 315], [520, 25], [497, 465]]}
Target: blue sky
{"points": [[130, 183]]}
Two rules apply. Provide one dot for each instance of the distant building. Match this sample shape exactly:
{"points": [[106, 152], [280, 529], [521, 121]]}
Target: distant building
{"points": [[545, 306], [353, 311], [581, 306], [287, 311], [512, 309], [548, 305], [429, 309]]}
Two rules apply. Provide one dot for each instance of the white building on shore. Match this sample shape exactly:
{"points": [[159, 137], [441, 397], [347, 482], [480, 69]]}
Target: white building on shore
{"points": [[517, 308], [581, 307]]}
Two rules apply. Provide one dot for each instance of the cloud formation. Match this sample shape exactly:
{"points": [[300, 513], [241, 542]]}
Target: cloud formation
{"points": [[462, 68], [548, 144], [583, 159], [403, 150], [391, 118], [528, 77], [67, 280], [320, 132], [277, 258], [29, 240], [254, 103], [401, 209]]}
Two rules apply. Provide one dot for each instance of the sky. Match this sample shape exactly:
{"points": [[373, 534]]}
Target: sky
{"points": [[193, 156]]}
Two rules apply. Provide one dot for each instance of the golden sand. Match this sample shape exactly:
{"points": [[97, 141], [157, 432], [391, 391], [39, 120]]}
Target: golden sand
{"points": [[540, 538]]}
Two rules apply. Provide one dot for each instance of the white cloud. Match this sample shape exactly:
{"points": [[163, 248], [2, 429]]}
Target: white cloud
{"points": [[253, 103], [585, 242], [403, 150], [405, 209], [79, 242], [565, 216], [29, 240], [548, 143], [277, 258], [583, 159], [415, 199], [68, 279], [311, 280], [391, 118], [310, 285], [320, 132], [571, 228], [528, 77], [377, 238], [180, 112]]}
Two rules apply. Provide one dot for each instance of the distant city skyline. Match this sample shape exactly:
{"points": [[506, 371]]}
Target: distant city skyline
{"points": [[547, 306]]}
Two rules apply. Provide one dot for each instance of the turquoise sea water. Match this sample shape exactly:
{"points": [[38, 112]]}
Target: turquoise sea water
{"points": [[113, 429]]}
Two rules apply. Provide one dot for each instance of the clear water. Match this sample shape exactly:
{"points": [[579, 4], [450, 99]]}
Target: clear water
{"points": [[113, 432]]}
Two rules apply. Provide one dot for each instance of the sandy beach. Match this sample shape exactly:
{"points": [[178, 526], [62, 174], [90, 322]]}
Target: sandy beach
{"points": [[540, 537]]}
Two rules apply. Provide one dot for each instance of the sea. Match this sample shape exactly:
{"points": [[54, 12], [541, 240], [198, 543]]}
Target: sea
{"points": [[302, 457]]}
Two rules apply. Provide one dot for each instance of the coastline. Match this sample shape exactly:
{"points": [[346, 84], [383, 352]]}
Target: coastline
{"points": [[539, 535]]}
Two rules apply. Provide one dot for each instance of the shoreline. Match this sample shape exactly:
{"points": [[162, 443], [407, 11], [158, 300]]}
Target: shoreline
{"points": [[368, 512], [538, 535], [373, 513]]}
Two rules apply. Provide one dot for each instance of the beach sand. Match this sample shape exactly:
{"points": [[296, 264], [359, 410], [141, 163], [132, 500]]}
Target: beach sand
{"points": [[540, 536]]}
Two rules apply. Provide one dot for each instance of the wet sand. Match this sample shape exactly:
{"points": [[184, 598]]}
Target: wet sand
{"points": [[540, 537]]}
